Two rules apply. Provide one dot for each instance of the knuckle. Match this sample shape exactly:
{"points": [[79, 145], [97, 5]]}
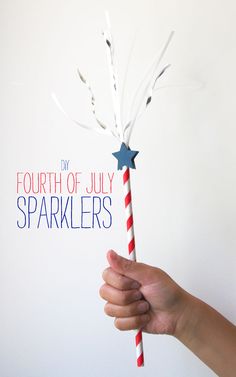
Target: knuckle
{"points": [[102, 291], [107, 309], [105, 273]]}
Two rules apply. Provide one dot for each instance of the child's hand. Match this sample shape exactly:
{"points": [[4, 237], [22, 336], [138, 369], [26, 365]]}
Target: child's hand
{"points": [[140, 296]]}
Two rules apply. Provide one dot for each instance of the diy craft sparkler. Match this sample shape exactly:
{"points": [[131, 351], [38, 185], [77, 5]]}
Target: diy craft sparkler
{"points": [[122, 131]]}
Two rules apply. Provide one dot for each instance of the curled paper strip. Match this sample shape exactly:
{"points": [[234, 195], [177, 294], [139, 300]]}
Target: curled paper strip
{"points": [[100, 130], [141, 99], [101, 124], [113, 78], [148, 100], [148, 83]]}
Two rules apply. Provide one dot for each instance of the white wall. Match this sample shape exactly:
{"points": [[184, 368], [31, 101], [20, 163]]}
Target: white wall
{"points": [[51, 317]]}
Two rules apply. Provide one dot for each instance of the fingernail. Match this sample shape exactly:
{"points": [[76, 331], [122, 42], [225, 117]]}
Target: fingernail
{"points": [[143, 307], [138, 295], [135, 285], [112, 254]]}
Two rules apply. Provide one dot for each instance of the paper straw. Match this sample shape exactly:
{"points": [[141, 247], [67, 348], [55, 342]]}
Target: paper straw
{"points": [[132, 252]]}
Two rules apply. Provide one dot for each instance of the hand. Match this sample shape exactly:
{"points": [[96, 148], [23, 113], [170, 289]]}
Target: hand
{"points": [[141, 296]]}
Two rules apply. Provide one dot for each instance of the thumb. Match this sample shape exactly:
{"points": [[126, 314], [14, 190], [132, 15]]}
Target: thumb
{"points": [[134, 270]]}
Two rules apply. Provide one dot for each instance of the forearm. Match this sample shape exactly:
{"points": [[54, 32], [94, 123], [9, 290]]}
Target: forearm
{"points": [[209, 335]]}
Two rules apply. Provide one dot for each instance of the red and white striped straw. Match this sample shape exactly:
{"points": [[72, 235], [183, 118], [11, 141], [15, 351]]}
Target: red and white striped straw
{"points": [[132, 253]]}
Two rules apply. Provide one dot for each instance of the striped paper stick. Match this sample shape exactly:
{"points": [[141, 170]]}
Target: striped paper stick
{"points": [[131, 250]]}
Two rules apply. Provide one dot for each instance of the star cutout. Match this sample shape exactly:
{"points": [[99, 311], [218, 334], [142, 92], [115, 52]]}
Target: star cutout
{"points": [[125, 157]]}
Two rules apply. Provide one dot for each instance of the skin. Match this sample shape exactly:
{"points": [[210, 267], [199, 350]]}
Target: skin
{"points": [[141, 296]]}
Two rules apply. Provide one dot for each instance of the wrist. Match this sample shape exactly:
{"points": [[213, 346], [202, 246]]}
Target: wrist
{"points": [[189, 317], [208, 335]]}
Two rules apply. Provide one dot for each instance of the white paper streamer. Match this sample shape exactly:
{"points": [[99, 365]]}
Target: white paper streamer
{"points": [[113, 77], [90, 128], [101, 124], [149, 97], [123, 118], [141, 99], [147, 89]]}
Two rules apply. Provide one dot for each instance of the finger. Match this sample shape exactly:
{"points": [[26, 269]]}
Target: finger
{"points": [[117, 297], [132, 323], [119, 281], [140, 272], [134, 309]]}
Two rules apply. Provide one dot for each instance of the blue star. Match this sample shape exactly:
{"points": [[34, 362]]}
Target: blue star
{"points": [[125, 157]]}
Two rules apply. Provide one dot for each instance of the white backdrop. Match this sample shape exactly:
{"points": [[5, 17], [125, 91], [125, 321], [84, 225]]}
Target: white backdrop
{"points": [[51, 317]]}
